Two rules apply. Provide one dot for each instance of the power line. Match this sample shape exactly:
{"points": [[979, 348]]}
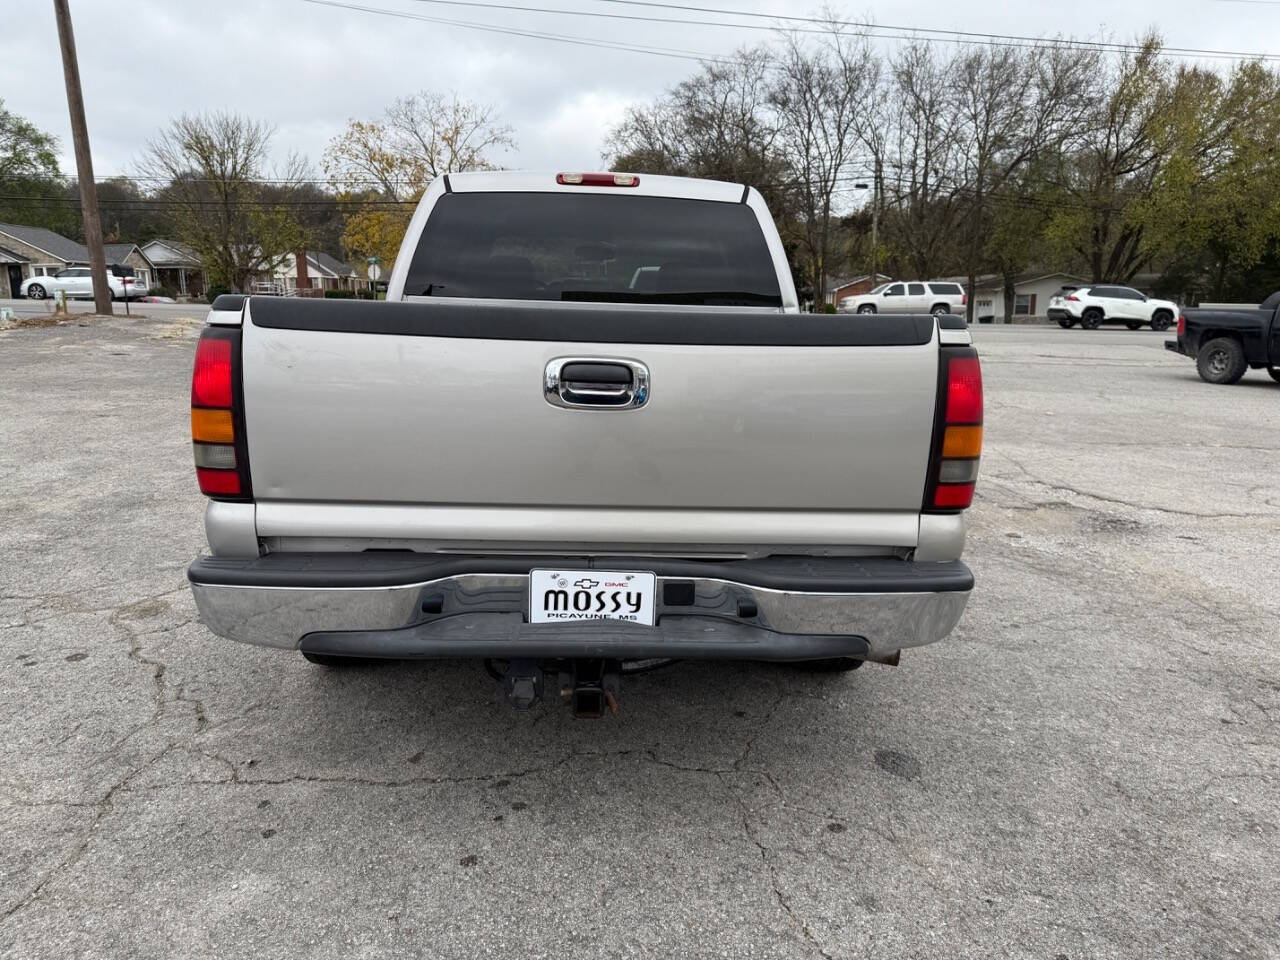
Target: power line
{"points": [[941, 189], [878, 31], [673, 52], [869, 25], [871, 30], [217, 203]]}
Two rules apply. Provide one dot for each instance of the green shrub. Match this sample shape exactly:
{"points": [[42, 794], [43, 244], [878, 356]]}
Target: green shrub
{"points": [[348, 295], [159, 290], [214, 291], [828, 308]]}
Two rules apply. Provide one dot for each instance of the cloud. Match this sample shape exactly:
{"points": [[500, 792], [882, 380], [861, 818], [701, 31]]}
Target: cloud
{"points": [[308, 69]]}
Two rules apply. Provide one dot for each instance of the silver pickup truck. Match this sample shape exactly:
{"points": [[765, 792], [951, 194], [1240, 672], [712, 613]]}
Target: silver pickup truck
{"points": [[589, 427]]}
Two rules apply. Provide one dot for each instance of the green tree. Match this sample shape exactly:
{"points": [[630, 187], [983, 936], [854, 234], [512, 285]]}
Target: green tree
{"points": [[1110, 168], [1215, 202], [31, 185]]}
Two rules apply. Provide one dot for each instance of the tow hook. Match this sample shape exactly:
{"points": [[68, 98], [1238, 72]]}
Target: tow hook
{"points": [[591, 687]]}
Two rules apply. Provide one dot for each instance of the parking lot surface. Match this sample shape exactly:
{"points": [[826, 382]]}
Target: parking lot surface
{"points": [[1087, 768]]}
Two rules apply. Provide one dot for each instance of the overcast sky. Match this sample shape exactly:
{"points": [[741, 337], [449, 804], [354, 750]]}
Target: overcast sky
{"points": [[308, 69]]}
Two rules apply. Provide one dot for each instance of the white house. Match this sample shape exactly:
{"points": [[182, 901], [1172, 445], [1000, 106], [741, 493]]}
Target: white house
{"points": [[178, 266], [1032, 290], [323, 271]]}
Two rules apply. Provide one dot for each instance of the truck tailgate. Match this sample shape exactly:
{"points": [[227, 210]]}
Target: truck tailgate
{"points": [[385, 404]]}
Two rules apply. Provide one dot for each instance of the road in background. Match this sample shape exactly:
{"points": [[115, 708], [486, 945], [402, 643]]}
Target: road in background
{"points": [[40, 308], [1087, 768]]}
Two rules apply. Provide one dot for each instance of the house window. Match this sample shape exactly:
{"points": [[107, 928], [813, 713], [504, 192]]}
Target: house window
{"points": [[1022, 304]]}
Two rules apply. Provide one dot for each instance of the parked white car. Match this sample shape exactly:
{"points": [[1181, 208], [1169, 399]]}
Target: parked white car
{"points": [[1093, 306], [77, 282], [908, 297]]}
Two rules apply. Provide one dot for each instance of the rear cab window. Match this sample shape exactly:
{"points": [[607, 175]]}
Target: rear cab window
{"points": [[593, 248]]}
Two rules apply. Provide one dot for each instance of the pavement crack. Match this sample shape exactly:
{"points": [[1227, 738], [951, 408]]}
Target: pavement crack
{"points": [[764, 722], [234, 777], [796, 921], [102, 807], [1060, 487]]}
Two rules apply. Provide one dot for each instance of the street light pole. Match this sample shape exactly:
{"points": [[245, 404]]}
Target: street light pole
{"points": [[84, 161]]}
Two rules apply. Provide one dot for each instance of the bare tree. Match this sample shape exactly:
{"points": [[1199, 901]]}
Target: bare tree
{"points": [[818, 95], [393, 159], [1011, 105], [214, 165], [717, 124], [921, 178], [419, 138]]}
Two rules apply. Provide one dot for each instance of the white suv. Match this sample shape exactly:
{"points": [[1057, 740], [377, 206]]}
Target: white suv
{"points": [[933, 297], [1093, 306]]}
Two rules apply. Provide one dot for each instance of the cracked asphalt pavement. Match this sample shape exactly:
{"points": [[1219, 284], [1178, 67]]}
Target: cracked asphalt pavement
{"points": [[1087, 768]]}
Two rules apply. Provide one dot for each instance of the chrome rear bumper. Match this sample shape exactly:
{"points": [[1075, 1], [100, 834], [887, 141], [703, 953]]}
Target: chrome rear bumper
{"points": [[792, 609]]}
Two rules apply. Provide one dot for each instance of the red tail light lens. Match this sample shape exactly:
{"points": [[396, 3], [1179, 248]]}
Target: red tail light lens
{"points": [[1073, 298], [218, 483], [1182, 325], [953, 496], [958, 432], [211, 380], [964, 299], [217, 429], [964, 390]]}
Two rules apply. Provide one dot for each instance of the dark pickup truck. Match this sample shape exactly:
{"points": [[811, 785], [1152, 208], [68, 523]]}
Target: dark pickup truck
{"points": [[1226, 343]]}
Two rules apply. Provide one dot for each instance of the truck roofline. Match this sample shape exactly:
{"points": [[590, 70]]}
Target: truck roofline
{"points": [[648, 185]]}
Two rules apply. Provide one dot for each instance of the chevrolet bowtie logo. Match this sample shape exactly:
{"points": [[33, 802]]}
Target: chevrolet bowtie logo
{"points": [[586, 584]]}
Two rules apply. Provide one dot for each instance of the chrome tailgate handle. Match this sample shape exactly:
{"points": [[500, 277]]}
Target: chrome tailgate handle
{"points": [[596, 383]]}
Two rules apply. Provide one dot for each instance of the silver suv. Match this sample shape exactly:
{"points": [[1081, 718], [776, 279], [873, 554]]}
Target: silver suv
{"points": [[936, 297]]}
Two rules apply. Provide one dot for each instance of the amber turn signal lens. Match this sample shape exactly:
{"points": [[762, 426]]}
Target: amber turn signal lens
{"points": [[962, 442], [214, 426]]}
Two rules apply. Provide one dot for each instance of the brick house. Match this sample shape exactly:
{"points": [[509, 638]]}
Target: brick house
{"points": [[853, 287]]}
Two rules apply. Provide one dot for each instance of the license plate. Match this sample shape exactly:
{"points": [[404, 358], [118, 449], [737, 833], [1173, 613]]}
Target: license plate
{"points": [[559, 596]]}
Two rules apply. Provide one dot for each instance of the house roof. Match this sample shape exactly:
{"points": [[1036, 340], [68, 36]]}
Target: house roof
{"points": [[8, 256], [331, 264], [62, 248], [119, 252], [54, 244], [186, 256], [989, 280], [833, 287]]}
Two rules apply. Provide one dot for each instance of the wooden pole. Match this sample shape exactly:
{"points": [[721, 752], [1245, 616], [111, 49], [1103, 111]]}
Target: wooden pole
{"points": [[84, 161]]}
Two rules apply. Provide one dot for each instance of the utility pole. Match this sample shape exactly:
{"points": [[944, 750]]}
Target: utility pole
{"points": [[84, 161], [875, 219]]}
